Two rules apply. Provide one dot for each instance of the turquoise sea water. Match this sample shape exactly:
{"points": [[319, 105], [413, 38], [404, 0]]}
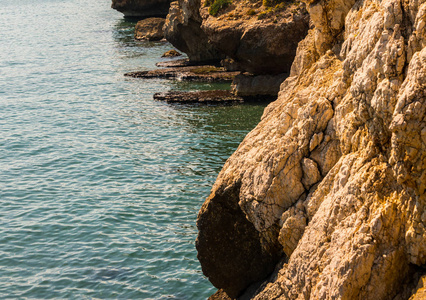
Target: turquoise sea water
{"points": [[99, 184]]}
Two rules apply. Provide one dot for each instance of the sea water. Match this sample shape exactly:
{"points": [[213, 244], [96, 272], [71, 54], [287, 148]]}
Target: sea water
{"points": [[100, 185]]}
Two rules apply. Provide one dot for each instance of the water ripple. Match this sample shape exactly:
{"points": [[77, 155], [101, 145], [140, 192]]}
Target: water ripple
{"points": [[100, 185]]}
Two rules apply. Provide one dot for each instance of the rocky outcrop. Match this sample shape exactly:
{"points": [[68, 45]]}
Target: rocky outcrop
{"points": [[142, 8], [329, 188], [182, 30], [150, 29], [188, 73], [261, 39]]}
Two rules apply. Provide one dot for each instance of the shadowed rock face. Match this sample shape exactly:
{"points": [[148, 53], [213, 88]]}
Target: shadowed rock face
{"points": [[335, 172], [259, 45], [182, 30], [142, 8], [229, 247]]}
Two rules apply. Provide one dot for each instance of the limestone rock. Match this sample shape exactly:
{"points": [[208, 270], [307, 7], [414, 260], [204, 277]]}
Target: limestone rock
{"points": [[182, 30], [311, 174], [142, 8], [150, 29], [354, 110], [259, 39]]}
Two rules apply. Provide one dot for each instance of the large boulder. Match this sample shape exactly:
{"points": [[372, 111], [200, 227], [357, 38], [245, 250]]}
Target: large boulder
{"points": [[142, 8], [183, 30], [334, 175], [260, 39]]}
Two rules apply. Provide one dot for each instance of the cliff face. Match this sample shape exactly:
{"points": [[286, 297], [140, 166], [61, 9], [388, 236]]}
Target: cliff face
{"points": [[183, 30], [260, 39], [330, 186], [142, 8]]}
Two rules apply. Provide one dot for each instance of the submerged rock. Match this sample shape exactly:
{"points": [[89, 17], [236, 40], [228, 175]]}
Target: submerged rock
{"points": [[150, 29], [142, 8], [203, 97], [334, 175]]}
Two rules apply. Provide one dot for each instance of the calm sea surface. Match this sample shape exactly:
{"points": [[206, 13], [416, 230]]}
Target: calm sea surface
{"points": [[99, 185]]}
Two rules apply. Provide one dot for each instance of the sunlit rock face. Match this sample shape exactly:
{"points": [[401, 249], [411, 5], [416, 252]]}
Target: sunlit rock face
{"points": [[333, 179], [142, 8]]}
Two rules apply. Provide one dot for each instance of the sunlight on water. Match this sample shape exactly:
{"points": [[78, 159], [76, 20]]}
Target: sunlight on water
{"points": [[100, 185]]}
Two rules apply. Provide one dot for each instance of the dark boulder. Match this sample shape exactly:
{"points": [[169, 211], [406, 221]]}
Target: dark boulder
{"points": [[142, 8]]}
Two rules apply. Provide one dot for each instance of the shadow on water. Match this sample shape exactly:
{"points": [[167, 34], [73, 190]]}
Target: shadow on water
{"points": [[221, 118], [123, 34]]}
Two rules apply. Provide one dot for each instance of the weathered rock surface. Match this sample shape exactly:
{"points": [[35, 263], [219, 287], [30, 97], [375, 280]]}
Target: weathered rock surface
{"points": [[150, 29], [189, 73], [261, 40], [142, 8], [182, 30], [334, 175]]}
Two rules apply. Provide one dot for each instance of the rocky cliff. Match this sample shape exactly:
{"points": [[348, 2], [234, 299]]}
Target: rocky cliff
{"points": [[183, 30], [325, 198], [259, 37]]}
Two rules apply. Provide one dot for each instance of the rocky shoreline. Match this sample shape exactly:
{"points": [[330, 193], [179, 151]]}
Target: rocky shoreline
{"points": [[188, 73], [325, 198], [222, 97]]}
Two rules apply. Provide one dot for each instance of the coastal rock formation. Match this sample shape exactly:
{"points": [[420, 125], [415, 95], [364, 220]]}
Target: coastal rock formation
{"points": [[260, 39], [150, 29], [142, 8], [188, 73], [327, 193], [182, 30]]}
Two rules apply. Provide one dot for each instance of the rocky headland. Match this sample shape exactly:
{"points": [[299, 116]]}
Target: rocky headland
{"points": [[325, 198], [258, 38]]}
